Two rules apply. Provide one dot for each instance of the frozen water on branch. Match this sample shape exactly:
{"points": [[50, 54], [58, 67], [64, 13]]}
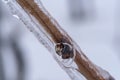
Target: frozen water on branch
{"points": [[31, 23]]}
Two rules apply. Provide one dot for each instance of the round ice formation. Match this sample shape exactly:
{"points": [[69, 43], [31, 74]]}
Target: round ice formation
{"points": [[65, 53]]}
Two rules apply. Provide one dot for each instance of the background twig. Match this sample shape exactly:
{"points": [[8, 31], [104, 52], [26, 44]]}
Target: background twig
{"points": [[2, 75]]}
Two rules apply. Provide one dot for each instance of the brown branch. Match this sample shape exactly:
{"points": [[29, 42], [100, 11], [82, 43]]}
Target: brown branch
{"points": [[58, 35]]}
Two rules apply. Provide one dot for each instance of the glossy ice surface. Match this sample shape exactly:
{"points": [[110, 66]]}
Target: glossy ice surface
{"points": [[95, 37]]}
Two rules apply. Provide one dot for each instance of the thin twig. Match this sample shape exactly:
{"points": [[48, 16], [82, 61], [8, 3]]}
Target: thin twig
{"points": [[19, 57], [65, 46], [2, 74]]}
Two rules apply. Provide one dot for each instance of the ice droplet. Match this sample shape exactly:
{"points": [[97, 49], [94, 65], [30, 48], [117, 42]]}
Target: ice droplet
{"points": [[16, 16], [65, 53]]}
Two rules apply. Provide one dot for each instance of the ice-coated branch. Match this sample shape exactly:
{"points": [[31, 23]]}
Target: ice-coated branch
{"points": [[64, 50]]}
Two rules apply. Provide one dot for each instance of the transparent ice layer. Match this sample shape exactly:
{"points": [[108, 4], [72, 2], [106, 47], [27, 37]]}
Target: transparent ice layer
{"points": [[32, 24]]}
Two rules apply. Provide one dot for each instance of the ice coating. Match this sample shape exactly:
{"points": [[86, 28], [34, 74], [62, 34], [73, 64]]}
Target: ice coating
{"points": [[34, 27], [18, 12]]}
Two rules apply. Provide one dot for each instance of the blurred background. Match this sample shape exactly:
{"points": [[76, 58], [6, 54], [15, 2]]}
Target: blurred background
{"points": [[94, 25]]}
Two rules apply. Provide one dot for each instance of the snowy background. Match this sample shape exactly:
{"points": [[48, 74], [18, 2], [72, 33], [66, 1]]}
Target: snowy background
{"points": [[98, 37]]}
